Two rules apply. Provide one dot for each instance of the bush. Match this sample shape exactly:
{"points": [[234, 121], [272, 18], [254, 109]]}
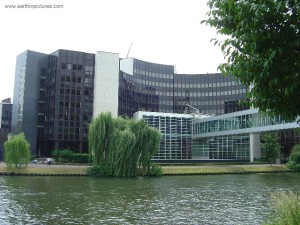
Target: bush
{"points": [[94, 171], [56, 154], [155, 170], [294, 159], [81, 158], [104, 170], [285, 209], [66, 156]]}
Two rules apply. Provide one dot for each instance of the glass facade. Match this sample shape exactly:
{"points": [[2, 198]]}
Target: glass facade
{"points": [[228, 147], [149, 88], [156, 88], [288, 138], [210, 93], [66, 101], [26, 95], [176, 141], [229, 122], [6, 117]]}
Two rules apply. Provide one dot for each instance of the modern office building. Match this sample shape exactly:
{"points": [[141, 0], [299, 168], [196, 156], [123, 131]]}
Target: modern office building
{"points": [[30, 67], [5, 115], [5, 123], [155, 87], [53, 99], [56, 95], [228, 137]]}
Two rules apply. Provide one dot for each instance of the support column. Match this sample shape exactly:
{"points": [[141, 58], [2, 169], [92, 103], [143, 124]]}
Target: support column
{"points": [[106, 83], [255, 150]]}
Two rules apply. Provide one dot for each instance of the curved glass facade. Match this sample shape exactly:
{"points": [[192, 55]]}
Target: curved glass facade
{"points": [[156, 88], [210, 93], [148, 88]]}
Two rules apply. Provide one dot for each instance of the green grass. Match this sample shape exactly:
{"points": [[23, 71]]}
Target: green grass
{"points": [[167, 170], [48, 170], [222, 169]]}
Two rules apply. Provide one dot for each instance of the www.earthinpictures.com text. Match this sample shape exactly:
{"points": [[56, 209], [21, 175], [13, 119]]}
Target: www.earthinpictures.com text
{"points": [[33, 6]]}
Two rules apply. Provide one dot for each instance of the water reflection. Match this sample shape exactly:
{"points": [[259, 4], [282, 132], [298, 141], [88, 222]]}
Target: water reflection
{"points": [[236, 199]]}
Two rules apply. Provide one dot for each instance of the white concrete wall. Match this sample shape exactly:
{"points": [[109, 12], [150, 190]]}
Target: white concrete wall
{"points": [[126, 65], [106, 83]]}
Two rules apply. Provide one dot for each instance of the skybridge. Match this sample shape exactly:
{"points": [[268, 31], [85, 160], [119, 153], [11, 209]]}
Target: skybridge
{"points": [[247, 121]]}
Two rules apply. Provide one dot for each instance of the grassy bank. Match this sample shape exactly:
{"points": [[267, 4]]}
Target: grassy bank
{"points": [[167, 170], [247, 168], [46, 169]]}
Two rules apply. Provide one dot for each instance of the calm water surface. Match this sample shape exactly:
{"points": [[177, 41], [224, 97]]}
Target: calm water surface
{"points": [[227, 199]]}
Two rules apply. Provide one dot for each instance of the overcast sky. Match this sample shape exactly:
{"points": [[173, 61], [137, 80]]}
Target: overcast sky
{"points": [[162, 31]]}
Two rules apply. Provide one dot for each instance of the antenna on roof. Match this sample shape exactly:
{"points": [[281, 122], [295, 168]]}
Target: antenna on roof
{"points": [[129, 50]]}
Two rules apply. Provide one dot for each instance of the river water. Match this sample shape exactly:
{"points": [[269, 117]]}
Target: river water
{"points": [[224, 199]]}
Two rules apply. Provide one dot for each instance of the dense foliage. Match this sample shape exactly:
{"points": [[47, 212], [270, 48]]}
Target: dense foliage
{"points": [[294, 159], [270, 146], [262, 46], [17, 151], [122, 147], [155, 170], [285, 209], [67, 156], [81, 158]]}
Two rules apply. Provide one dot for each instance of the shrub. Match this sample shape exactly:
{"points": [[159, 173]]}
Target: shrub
{"points": [[294, 159], [94, 171], [66, 156], [56, 154], [81, 158], [155, 170], [285, 209], [104, 170]]}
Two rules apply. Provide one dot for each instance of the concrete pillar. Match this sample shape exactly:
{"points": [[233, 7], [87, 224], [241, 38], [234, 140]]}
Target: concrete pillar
{"points": [[255, 150], [106, 83]]}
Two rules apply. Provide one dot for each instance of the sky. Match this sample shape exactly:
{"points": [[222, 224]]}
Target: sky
{"points": [[161, 31]]}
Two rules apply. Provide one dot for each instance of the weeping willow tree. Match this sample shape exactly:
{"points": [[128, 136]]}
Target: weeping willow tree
{"points": [[100, 135], [124, 153], [17, 151], [122, 145], [148, 140]]}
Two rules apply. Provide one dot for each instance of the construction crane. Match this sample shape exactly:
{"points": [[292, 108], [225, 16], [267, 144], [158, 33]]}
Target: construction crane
{"points": [[194, 110], [129, 50]]}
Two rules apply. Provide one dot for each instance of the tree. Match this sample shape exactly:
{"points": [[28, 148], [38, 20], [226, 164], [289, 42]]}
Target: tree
{"points": [[17, 151], [120, 145], [270, 146], [262, 47], [100, 135], [147, 143], [294, 158]]}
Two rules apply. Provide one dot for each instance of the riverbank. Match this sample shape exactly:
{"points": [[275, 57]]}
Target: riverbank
{"points": [[201, 169]]}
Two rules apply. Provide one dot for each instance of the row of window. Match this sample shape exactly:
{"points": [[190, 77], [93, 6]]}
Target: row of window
{"points": [[152, 74], [206, 84]]}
